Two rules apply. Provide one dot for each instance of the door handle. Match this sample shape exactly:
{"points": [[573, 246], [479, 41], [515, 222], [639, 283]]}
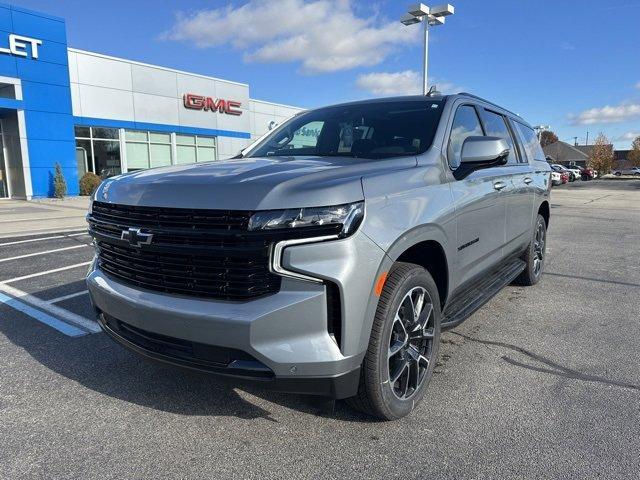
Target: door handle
{"points": [[499, 185], [527, 180]]}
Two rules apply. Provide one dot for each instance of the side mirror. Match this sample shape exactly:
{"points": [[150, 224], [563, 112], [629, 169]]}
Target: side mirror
{"points": [[481, 152], [486, 151]]}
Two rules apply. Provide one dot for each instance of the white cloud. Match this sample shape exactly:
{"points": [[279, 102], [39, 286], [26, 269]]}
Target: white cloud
{"points": [[387, 83], [629, 136], [607, 114], [407, 82], [323, 35]]}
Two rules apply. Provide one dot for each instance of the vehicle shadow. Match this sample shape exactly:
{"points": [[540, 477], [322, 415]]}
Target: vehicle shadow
{"points": [[99, 364], [546, 365]]}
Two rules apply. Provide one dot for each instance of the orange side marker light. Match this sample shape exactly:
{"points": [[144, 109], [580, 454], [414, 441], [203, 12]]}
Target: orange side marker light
{"points": [[380, 283]]}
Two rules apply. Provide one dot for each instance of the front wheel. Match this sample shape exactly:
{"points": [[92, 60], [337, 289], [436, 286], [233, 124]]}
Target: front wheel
{"points": [[534, 256], [403, 346]]}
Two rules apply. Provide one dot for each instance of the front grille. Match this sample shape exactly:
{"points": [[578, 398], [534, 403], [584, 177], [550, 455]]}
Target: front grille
{"points": [[203, 253]]}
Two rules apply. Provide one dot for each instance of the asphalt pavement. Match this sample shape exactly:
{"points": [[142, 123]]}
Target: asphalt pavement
{"points": [[542, 382]]}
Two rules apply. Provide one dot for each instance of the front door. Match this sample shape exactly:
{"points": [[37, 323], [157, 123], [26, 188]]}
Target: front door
{"points": [[479, 203]]}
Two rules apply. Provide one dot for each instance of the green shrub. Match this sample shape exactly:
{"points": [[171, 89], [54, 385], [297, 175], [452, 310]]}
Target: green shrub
{"points": [[59, 183], [88, 183]]}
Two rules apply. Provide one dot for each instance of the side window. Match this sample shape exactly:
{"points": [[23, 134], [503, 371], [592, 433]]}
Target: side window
{"points": [[494, 123], [465, 124], [531, 144]]}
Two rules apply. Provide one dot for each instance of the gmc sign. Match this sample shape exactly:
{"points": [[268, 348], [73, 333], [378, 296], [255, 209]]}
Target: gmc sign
{"points": [[200, 102]]}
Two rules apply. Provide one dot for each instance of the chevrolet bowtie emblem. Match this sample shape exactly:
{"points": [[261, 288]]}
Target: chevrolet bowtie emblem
{"points": [[136, 237]]}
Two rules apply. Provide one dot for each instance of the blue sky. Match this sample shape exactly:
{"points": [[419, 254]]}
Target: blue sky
{"points": [[574, 65]]}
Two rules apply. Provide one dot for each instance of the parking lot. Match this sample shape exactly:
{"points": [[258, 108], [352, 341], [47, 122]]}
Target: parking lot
{"points": [[542, 382]]}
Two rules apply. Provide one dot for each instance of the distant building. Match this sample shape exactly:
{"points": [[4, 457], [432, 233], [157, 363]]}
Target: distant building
{"points": [[622, 159], [567, 154]]}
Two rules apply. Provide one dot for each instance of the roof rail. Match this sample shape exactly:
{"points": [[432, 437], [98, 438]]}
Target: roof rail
{"points": [[467, 94]]}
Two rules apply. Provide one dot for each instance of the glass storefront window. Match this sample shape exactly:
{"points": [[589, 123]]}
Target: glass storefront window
{"points": [[206, 154], [106, 155], [84, 154], [186, 154], [160, 155], [206, 141], [159, 137], [106, 133], [83, 132], [100, 147], [137, 156], [185, 140], [147, 149], [135, 136]]}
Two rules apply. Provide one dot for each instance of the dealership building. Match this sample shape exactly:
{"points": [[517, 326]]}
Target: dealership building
{"points": [[95, 113]]}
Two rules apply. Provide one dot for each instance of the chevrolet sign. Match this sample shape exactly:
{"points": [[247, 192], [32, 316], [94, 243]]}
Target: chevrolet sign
{"points": [[18, 46]]}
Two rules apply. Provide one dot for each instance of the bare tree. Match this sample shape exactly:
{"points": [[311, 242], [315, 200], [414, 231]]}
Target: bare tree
{"points": [[634, 154], [601, 157]]}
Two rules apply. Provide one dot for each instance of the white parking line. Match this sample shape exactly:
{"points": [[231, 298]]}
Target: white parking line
{"points": [[60, 313], [41, 316], [46, 272], [17, 242], [43, 253], [38, 219], [67, 297]]}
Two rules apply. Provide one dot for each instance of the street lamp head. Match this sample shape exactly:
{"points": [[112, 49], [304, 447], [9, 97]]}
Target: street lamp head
{"points": [[442, 10], [408, 19], [433, 21], [418, 10]]}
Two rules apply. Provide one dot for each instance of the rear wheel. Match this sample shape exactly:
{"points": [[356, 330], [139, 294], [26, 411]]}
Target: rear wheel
{"points": [[403, 346], [534, 256]]}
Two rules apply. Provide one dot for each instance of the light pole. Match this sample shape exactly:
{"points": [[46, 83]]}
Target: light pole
{"points": [[541, 128], [419, 12]]}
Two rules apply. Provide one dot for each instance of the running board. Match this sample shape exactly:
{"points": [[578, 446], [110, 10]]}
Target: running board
{"points": [[463, 306]]}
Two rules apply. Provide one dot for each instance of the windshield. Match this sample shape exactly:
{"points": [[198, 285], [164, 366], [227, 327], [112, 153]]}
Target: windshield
{"points": [[367, 130]]}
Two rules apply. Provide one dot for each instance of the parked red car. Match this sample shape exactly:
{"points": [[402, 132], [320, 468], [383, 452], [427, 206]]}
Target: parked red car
{"points": [[564, 177], [585, 173]]}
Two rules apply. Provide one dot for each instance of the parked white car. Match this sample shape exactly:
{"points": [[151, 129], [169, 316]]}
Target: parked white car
{"points": [[556, 179], [562, 169], [627, 171], [577, 173]]}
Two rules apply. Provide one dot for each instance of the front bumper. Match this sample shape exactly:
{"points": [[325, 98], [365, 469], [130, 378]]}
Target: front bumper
{"points": [[285, 335], [239, 370]]}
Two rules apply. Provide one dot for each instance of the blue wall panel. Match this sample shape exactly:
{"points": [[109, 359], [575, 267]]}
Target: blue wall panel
{"points": [[38, 25], [46, 95], [5, 18], [47, 125]]}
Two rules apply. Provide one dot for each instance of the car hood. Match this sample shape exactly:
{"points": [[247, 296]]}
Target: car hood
{"points": [[249, 183]]}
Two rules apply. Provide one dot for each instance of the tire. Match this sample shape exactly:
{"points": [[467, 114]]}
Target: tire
{"points": [[377, 395], [617, 174], [534, 256]]}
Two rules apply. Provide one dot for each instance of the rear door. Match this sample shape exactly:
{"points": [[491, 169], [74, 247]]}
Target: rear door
{"points": [[479, 202], [519, 193]]}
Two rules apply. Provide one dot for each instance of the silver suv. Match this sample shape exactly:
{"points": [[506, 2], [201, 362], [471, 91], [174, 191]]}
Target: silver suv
{"points": [[328, 257]]}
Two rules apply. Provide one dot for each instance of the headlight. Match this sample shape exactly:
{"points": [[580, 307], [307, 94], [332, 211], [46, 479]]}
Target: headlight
{"points": [[344, 218]]}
